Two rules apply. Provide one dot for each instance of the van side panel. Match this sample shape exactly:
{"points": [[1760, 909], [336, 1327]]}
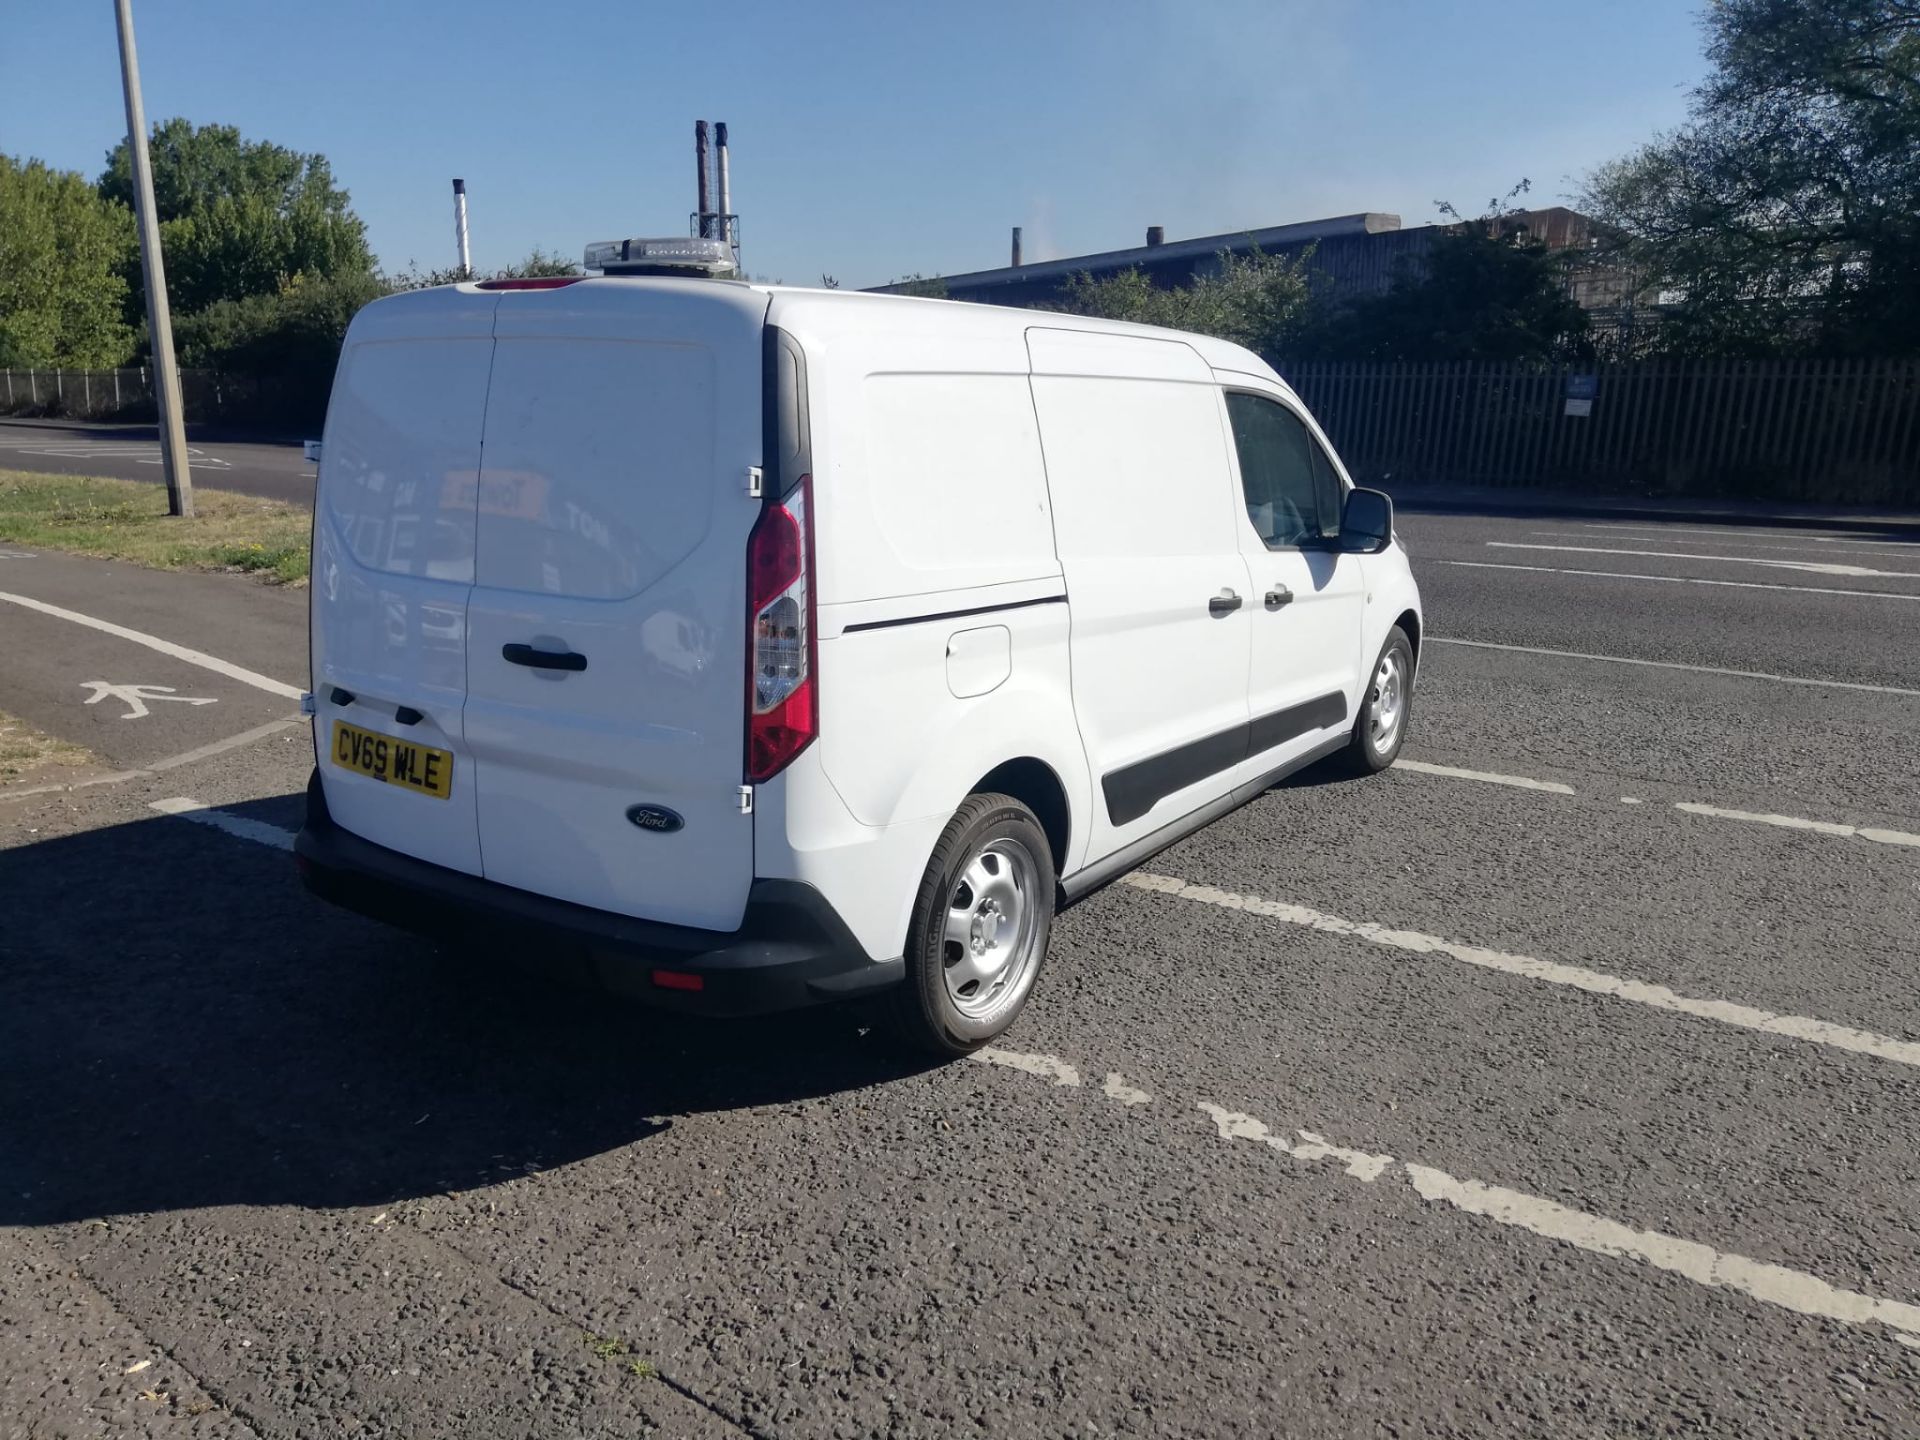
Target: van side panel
{"points": [[394, 519], [901, 744], [955, 494], [926, 462], [942, 614], [942, 516], [1143, 517]]}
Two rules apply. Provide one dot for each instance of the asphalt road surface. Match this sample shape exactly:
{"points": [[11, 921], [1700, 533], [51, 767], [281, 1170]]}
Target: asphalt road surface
{"points": [[132, 452], [1562, 1081]]}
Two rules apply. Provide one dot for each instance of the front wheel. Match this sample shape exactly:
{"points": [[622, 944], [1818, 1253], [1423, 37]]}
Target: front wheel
{"points": [[979, 930], [1380, 729]]}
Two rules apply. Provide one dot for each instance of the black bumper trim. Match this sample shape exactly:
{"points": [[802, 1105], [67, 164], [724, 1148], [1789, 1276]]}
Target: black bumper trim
{"points": [[792, 948]]}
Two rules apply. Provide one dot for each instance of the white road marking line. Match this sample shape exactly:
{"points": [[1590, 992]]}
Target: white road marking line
{"points": [[1673, 665], [1308, 1146], [1680, 580], [60, 786], [1780, 1286], [1771, 1284], [1486, 777], [186, 757], [1795, 822], [1791, 822], [1777, 1285], [1812, 567], [238, 826], [220, 747], [1618, 526], [1047, 1067], [1806, 544], [1593, 982], [165, 647], [1117, 1088]]}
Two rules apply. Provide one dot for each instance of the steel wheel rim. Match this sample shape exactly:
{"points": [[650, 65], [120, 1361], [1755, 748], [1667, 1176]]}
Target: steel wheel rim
{"points": [[1387, 701], [990, 941]]}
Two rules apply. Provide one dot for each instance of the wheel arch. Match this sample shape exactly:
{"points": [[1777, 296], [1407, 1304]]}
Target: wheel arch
{"points": [[1409, 621], [1035, 784]]}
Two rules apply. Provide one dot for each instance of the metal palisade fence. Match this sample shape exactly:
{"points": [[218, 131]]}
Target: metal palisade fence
{"points": [[1833, 430], [77, 394], [208, 397]]}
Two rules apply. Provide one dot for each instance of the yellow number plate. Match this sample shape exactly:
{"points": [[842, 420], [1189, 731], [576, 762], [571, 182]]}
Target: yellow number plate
{"points": [[419, 768]]}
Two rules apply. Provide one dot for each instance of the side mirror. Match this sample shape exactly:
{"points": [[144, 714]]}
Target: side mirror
{"points": [[1366, 522]]}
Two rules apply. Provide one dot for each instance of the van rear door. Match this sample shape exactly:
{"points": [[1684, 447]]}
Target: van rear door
{"points": [[393, 539], [607, 627]]}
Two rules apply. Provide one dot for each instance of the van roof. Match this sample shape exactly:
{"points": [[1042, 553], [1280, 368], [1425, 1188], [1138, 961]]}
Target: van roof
{"points": [[851, 306], [831, 310]]}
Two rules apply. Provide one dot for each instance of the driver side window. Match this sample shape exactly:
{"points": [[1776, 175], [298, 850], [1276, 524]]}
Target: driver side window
{"points": [[1292, 491]]}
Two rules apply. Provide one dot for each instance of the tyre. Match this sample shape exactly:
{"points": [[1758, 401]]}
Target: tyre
{"points": [[979, 930], [1380, 728]]}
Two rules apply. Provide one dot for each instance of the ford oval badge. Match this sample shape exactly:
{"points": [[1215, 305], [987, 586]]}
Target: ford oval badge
{"points": [[655, 817]]}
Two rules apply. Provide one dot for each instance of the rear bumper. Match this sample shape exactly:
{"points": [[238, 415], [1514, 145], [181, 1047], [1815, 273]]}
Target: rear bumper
{"points": [[792, 948]]}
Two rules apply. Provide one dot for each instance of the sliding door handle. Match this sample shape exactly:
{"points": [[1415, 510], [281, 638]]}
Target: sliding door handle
{"points": [[1225, 603], [543, 659], [1279, 595]]}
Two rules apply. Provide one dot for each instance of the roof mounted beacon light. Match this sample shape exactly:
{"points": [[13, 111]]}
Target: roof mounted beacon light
{"points": [[681, 255]]}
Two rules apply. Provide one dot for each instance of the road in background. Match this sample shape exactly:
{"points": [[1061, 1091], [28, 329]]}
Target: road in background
{"points": [[1561, 1081], [131, 452]]}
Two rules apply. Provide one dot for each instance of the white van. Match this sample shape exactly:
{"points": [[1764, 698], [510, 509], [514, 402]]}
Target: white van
{"points": [[770, 646]]}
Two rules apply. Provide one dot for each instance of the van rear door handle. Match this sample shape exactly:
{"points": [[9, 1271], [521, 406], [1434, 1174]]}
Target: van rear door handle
{"points": [[1279, 595], [1225, 603], [517, 654]]}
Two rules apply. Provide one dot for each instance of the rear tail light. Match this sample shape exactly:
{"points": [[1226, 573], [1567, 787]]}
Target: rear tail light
{"points": [[782, 689]]}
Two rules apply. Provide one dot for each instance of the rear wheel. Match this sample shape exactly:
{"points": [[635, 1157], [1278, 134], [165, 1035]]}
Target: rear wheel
{"points": [[1380, 728], [979, 930]]}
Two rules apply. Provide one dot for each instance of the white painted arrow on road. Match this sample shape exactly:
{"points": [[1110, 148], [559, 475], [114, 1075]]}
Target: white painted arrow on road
{"points": [[135, 697]]}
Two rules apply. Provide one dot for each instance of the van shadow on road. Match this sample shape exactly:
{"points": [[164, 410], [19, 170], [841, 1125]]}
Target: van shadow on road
{"points": [[181, 1025]]}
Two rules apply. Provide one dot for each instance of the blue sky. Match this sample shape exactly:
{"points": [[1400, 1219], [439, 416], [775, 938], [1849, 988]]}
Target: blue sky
{"points": [[872, 140]]}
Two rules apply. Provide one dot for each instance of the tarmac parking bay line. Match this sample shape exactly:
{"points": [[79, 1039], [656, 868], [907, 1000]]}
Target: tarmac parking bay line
{"points": [[1790, 1289], [1593, 982], [1811, 567], [1777, 1285], [1413, 942], [1813, 681], [1681, 580], [1878, 834]]}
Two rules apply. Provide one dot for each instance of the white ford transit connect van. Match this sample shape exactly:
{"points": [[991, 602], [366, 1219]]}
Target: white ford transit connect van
{"points": [[771, 646]]}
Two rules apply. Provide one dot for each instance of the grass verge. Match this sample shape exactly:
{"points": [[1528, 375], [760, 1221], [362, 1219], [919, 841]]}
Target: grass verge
{"points": [[24, 750], [127, 520]]}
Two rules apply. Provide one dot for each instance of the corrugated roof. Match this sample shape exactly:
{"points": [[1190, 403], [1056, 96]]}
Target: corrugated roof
{"points": [[1272, 237]]}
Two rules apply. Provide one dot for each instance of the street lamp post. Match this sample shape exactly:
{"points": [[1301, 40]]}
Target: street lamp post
{"points": [[173, 435]]}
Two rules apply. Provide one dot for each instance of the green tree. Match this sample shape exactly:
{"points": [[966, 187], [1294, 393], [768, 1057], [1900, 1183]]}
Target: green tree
{"points": [[296, 330], [238, 217], [1785, 214], [1486, 289], [1254, 300], [63, 253], [538, 264], [927, 287], [289, 340]]}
